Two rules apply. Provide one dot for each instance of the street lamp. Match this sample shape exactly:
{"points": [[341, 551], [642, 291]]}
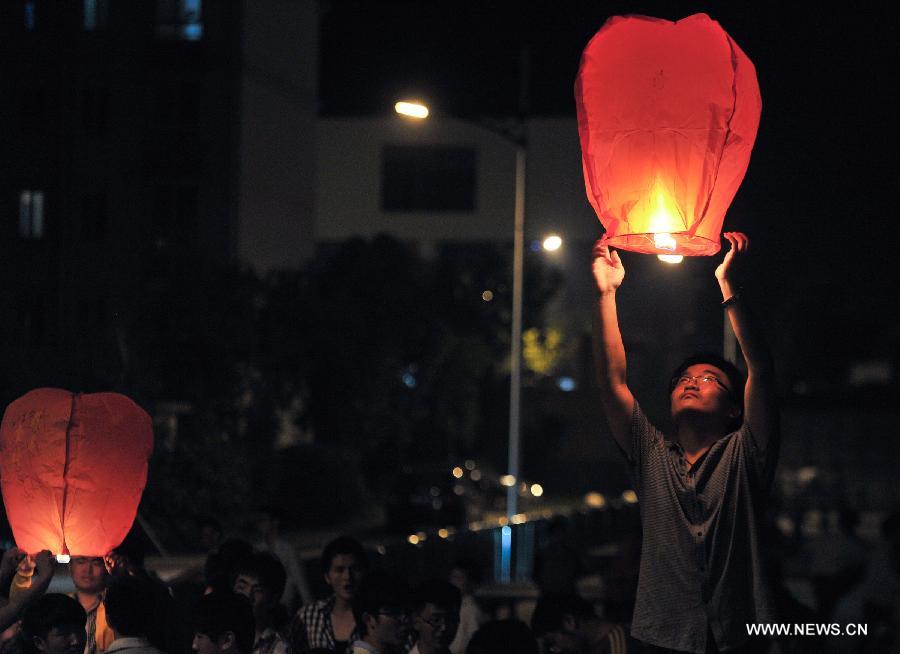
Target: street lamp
{"points": [[515, 134]]}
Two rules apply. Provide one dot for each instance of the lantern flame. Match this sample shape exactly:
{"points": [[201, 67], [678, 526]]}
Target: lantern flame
{"points": [[664, 241], [63, 558]]}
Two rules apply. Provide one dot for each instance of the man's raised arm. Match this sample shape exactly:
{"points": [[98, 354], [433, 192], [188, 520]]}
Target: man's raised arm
{"points": [[760, 402], [609, 352]]}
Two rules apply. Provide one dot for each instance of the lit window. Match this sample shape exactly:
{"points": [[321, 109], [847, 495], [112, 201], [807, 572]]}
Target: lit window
{"points": [[30, 16], [179, 19], [31, 214], [96, 14]]}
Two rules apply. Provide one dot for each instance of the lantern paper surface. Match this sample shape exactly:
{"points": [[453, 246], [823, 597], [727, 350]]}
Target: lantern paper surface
{"points": [[72, 469], [667, 116]]}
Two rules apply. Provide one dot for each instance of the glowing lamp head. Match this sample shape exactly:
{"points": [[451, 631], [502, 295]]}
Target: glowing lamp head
{"points": [[552, 243], [411, 109]]}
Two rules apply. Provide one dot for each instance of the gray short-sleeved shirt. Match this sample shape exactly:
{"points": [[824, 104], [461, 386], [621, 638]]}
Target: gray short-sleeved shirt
{"points": [[701, 561]]}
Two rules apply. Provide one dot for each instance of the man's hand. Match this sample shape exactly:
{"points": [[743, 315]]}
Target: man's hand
{"points": [[729, 271], [44, 567], [608, 269]]}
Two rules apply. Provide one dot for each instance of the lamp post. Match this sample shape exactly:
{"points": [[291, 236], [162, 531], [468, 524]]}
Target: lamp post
{"points": [[514, 133]]}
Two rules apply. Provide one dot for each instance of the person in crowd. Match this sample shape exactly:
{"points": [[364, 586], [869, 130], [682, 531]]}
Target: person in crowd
{"points": [[89, 576], [568, 624], [219, 569], [223, 624], [382, 610], [53, 624], [466, 575], [330, 623], [557, 562], [702, 491], [131, 614], [41, 569], [503, 637], [165, 629], [261, 578], [436, 605], [296, 590]]}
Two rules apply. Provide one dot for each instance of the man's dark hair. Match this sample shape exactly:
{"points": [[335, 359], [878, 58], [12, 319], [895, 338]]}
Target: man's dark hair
{"points": [[438, 592], [343, 545], [553, 607], [267, 568], [129, 603], [379, 592], [218, 613], [502, 636], [218, 571], [48, 611], [736, 380]]}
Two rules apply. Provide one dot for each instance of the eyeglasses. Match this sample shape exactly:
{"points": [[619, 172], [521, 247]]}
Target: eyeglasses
{"points": [[704, 379]]}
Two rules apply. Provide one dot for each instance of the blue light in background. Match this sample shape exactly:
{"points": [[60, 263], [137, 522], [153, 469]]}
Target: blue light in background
{"points": [[505, 553], [30, 16], [566, 384]]}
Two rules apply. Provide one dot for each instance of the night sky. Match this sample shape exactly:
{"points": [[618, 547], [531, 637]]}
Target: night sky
{"points": [[819, 198]]}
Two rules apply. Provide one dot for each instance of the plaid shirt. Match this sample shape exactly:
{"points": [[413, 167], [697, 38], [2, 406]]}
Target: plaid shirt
{"points": [[312, 628], [271, 642]]}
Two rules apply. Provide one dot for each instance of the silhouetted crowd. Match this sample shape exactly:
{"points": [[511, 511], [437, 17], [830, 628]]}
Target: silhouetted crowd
{"points": [[249, 600]]}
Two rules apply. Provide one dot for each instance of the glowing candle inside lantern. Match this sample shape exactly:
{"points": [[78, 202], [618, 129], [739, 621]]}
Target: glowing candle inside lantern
{"points": [[664, 241], [664, 219]]}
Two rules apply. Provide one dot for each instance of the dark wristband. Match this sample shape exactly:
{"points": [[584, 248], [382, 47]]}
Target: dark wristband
{"points": [[734, 299]]}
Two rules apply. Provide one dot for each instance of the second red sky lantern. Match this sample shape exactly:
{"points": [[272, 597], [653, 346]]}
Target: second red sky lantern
{"points": [[667, 116], [72, 469]]}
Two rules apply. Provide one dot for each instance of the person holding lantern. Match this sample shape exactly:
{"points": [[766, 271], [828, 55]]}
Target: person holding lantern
{"points": [[703, 490], [41, 567], [89, 576]]}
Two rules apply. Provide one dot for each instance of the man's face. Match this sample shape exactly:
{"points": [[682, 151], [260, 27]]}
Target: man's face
{"points": [[703, 388], [437, 626], [88, 573], [344, 576], [389, 627], [62, 640], [249, 586]]}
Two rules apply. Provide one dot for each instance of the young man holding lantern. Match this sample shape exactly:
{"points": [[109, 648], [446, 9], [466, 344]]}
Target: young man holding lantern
{"points": [[703, 491]]}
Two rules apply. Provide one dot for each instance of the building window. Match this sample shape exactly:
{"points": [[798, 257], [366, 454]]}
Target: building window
{"points": [[30, 16], [427, 178], [179, 19], [31, 214], [96, 14]]}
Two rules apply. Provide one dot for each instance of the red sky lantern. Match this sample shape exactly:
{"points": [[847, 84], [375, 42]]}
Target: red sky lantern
{"points": [[667, 116], [72, 469]]}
